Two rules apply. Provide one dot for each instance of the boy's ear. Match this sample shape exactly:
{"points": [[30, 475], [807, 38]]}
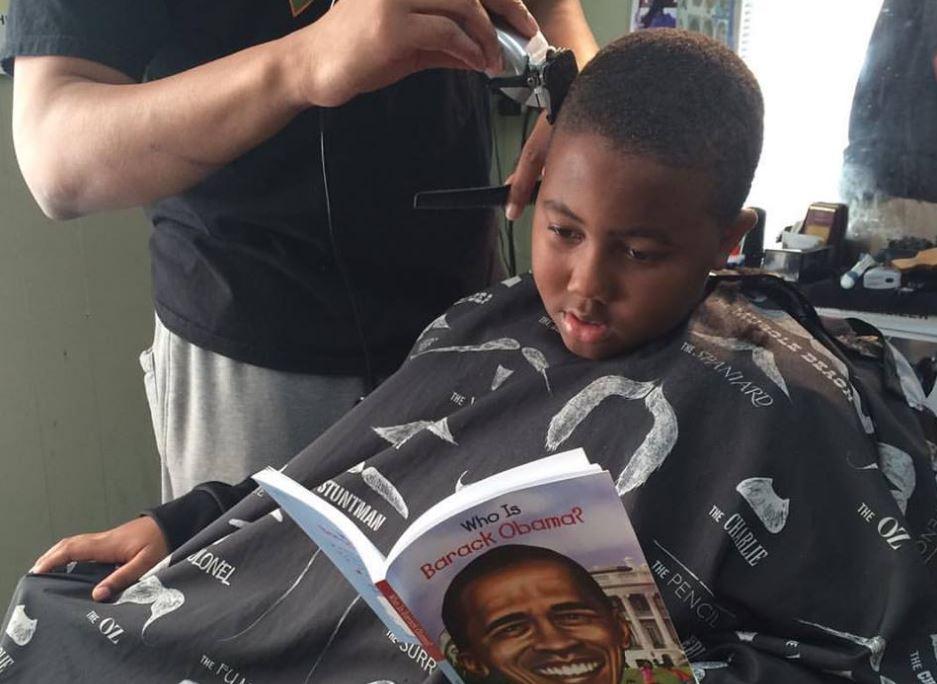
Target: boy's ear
{"points": [[733, 233]]}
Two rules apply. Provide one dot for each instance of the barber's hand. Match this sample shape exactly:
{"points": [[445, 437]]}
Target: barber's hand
{"points": [[137, 546], [529, 168], [360, 46]]}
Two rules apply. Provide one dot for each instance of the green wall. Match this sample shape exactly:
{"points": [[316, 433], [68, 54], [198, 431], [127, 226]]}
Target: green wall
{"points": [[76, 446]]}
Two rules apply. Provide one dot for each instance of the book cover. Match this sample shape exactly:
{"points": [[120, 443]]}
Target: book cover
{"points": [[542, 583]]}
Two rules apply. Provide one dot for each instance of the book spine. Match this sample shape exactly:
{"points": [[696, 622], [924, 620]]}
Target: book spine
{"points": [[428, 644]]}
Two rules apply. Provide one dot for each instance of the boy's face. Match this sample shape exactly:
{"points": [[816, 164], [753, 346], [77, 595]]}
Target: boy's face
{"points": [[622, 244]]}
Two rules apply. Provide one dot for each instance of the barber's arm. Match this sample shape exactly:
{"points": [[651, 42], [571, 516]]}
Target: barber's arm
{"points": [[89, 138], [564, 25]]}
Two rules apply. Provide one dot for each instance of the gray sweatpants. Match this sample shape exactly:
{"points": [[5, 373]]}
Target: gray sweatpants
{"points": [[220, 419]]}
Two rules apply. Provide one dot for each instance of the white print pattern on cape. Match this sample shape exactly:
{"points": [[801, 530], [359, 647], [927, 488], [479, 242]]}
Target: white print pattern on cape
{"points": [[386, 489], [762, 357], [876, 644], [437, 324], [501, 374], [424, 342], [696, 577], [501, 344], [398, 435], [770, 508], [656, 446], [867, 425], [328, 644], [214, 543], [166, 561], [480, 297], [746, 636], [784, 321], [699, 669], [898, 467], [511, 282], [151, 592], [910, 384], [22, 627], [536, 359], [276, 603], [380, 484]]}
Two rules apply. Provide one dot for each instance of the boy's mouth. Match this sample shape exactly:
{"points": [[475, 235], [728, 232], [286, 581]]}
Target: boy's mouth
{"points": [[583, 329]]}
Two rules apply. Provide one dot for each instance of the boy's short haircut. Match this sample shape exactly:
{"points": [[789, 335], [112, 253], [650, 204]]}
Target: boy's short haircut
{"points": [[677, 97]]}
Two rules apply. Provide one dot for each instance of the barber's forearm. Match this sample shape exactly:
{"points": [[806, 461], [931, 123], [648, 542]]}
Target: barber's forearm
{"points": [[86, 146], [564, 24], [89, 140]]}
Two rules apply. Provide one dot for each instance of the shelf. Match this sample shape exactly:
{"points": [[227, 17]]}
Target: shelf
{"points": [[922, 328]]}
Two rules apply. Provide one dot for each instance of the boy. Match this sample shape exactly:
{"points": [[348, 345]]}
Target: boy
{"points": [[781, 493]]}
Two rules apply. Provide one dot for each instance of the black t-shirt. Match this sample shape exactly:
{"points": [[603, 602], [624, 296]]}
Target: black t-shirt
{"points": [[245, 263], [893, 123]]}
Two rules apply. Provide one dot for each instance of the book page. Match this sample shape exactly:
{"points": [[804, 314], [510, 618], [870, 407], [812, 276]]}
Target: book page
{"points": [[340, 539], [548, 469]]}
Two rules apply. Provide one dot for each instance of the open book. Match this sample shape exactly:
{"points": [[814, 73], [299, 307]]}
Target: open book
{"points": [[534, 574]]}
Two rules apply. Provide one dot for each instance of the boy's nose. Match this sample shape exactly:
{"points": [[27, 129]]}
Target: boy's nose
{"points": [[587, 278]]}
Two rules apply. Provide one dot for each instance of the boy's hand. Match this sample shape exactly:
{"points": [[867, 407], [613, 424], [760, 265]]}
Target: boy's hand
{"points": [[358, 47], [529, 168], [137, 546]]}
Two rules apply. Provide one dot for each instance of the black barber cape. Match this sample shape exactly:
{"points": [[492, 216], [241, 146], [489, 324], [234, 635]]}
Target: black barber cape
{"points": [[834, 580], [245, 263]]}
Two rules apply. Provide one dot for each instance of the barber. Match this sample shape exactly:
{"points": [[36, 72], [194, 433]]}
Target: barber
{"points": [[276, 147]]}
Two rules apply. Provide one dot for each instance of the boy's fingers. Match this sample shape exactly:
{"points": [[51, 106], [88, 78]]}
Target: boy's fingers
{"points": [[81, 548], [124, 576]]}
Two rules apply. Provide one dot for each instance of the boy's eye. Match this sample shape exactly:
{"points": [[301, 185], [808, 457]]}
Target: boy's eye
{"points": [[642, 255], [638, 255], [565, 234]]}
